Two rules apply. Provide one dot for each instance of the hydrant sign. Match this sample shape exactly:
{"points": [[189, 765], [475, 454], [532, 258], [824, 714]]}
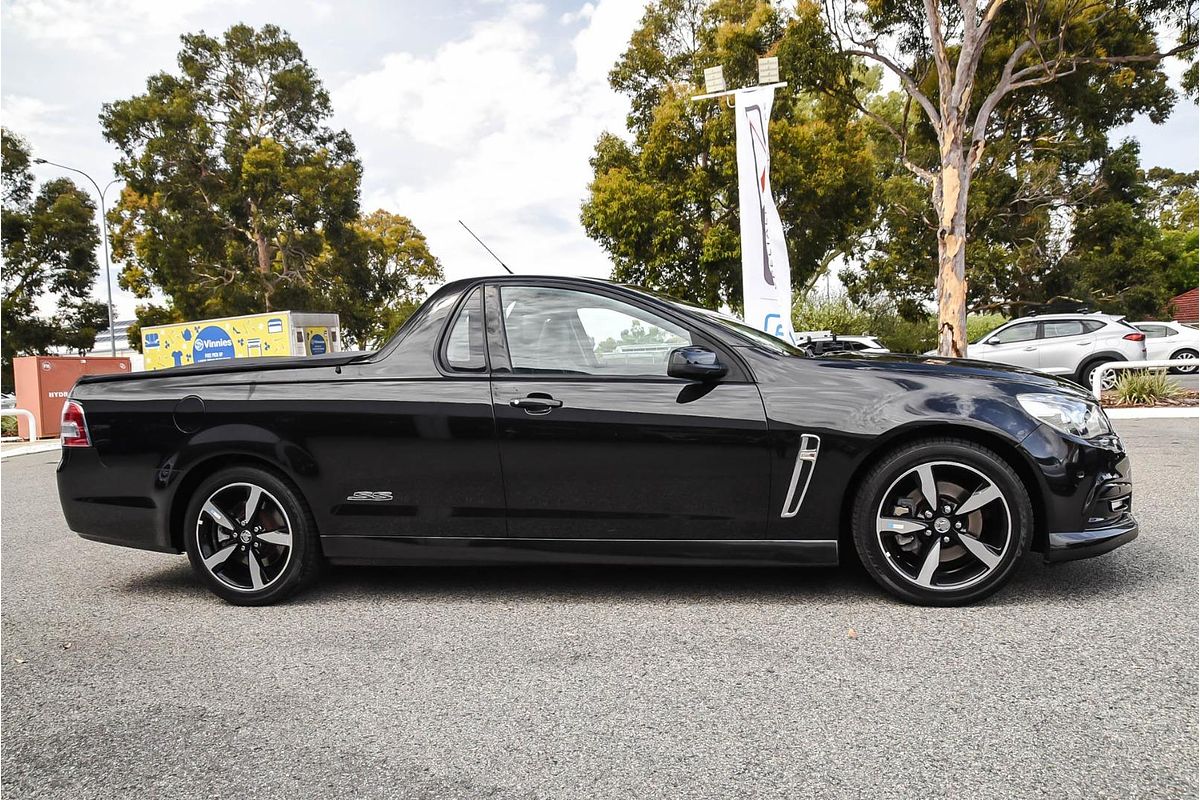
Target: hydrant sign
{"points": [[279, 333]]}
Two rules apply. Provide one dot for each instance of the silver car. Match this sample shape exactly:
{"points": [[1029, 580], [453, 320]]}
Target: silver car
{"points": [[1071, 345]]}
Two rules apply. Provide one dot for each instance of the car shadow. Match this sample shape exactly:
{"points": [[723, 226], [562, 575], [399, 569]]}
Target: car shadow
{"points": [[610, 584], [1033, 584], [177, 580], [1106, 577], [542, 582]]}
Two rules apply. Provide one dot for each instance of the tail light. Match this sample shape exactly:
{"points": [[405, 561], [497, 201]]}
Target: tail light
{"points": [[74, 430], [1135, 337]]}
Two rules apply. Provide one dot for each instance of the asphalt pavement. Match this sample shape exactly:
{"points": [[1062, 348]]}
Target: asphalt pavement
{"points": [[123, 677], [1190, 383]]}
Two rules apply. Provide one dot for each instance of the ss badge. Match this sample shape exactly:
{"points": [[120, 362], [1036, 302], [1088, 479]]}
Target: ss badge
{"points": [[375, 496]]}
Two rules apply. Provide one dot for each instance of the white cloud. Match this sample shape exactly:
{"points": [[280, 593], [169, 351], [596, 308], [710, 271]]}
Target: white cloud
{"points": [[509, 132], [102, 27], [583, 13], [31, 117]]}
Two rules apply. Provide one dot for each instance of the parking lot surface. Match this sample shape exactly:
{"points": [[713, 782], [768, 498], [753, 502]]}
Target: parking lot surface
{"points": [[123, 677]]}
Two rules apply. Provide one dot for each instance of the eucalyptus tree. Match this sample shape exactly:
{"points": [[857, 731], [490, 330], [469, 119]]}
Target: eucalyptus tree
{"points": [[961, 64]]}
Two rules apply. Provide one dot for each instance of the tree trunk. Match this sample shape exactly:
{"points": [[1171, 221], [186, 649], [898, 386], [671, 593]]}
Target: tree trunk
{"points": [[264, 255], [950, 202]]}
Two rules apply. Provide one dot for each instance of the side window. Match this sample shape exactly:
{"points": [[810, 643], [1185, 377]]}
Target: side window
{"points": [[465, 344], [1021, 332], [579, 333], [1091, 325], [1153, 331], [1056, 328]]}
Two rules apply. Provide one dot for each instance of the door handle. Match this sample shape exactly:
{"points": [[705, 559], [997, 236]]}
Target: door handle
{"points": [[1029, 349], [535, 405]]}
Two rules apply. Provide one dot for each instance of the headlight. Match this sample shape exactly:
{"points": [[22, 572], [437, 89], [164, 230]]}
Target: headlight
{"points": [[1067, 414]]}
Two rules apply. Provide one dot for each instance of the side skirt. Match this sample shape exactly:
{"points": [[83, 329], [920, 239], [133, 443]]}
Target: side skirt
{"points": [[386, 550]]}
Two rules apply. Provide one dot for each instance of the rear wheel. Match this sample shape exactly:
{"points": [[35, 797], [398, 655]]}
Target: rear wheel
{"points": [[1087, 374], [942, 522], [1186, 355], [250, 536]]}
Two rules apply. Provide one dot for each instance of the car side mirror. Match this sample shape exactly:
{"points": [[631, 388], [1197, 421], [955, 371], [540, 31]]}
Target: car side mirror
{"points": [[695, 364], [994, 340]]}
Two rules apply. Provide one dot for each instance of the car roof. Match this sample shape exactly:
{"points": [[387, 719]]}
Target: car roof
{"points": [[1037, 317]]}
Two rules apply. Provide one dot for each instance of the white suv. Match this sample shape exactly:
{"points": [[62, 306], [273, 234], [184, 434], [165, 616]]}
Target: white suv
{"points": [[1071, 345]]}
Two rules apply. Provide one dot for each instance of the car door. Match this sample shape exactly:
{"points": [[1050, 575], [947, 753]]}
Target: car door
{"points": [[401, 445], [1064, 343], [596, 441], [1016, 345]]}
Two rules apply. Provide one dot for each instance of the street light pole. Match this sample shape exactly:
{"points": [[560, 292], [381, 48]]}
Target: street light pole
{"points": [[112, 332]]}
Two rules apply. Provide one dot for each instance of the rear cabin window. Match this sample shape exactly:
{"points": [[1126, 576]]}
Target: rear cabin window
{"points": [[1053, 329], [465, 349]]}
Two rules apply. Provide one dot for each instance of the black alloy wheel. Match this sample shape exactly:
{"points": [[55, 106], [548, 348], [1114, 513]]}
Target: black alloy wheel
{"points": [[942, 522], [251, 537]]}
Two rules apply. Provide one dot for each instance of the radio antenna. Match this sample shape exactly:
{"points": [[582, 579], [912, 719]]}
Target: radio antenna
{"points": [[485, 247]]}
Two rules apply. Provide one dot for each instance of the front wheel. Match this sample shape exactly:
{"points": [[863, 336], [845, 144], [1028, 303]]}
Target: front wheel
{"points": [[251, 537], [942, 522]]}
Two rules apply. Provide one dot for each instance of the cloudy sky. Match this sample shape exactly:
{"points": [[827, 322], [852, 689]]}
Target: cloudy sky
{"points": [[475, 109]]}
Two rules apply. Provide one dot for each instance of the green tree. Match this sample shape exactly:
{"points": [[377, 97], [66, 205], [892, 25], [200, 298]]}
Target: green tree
{"points": [[1105, 233], [961, 64], [384, 281], [49, 245], [665, 206], [237, 190], [1121, 259]]}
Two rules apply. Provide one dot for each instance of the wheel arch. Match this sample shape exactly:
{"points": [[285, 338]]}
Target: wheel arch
{"points": [[1004, 447], [203, 469], [1100, 357]]}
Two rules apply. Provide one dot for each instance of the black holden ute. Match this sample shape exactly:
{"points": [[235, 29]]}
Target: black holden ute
{"points": [[519, 419]]}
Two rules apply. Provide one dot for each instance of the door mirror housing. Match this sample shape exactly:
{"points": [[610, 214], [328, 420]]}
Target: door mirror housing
{"points": [[695, 364], [993, 340]]}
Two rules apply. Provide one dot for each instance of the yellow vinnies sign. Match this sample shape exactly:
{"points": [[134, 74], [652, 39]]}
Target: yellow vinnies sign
{"points": [[280, 333]]}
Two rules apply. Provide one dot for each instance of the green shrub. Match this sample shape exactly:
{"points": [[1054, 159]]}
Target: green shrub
{"points": [[8, 426], [879, 318], [980, 325], [1145, 387]]}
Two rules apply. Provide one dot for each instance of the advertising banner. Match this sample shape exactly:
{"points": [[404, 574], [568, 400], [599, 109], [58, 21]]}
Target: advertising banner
{"points": [[217, 340], [766, 271]]}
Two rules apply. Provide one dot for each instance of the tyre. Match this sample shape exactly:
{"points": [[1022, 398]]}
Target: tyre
{"points": [[1087, 374], [942, 522], [1189, 369], [251, 537]]}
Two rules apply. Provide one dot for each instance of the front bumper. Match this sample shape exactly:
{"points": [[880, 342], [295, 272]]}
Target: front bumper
{"points": [[1092, 542], [1087, 486]]}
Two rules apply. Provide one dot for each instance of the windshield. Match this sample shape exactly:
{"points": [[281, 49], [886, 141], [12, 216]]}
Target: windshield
{"points": [[732, 324], [988, 335], [760, 338]]}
